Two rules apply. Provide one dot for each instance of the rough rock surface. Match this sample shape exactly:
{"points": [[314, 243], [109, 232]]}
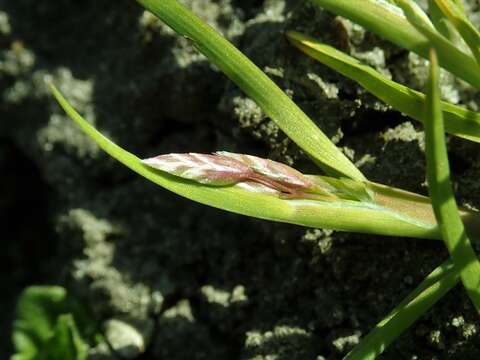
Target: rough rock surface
{"points": [[168, 278]]}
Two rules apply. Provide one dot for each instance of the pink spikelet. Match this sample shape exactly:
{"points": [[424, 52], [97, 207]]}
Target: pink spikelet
{"points": [[273, 170], [202, 168], [251, 173]]}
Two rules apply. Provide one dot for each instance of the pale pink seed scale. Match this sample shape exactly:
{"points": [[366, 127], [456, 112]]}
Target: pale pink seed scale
{"points": [[273, 170], [203, 168]]}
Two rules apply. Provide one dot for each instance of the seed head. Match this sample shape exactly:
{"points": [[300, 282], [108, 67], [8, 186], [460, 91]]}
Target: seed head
{"points": [[273, 170], [223, 168], [203, 168]]}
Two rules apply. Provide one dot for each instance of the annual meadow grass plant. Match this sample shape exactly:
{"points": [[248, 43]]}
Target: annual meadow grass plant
{"points": [[343, 199]]}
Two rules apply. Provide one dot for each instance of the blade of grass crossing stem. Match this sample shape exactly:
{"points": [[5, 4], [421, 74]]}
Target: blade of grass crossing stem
{"points": [[417, 303], [417, 17], [388, 21], [441, 193], [465, 28], [460, 5], [458, 121], [337, 215], [442, 24], [276, 104]]}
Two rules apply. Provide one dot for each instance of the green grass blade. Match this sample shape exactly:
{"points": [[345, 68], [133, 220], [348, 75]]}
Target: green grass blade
{"points": [[441, 193], [387, 21], [465, 28], [460, 5], [441, 44], [416, 16], [458, 121], [442, 24], [419, 301], [351, 216], [276, 104]]}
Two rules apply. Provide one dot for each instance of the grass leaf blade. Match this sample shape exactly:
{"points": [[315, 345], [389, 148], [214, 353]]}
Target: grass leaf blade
{"points": [[384, 19], [464, 27], [432, 289], [458, 121], [276, 104], [441, 193], [352, 216], [441, 23]]}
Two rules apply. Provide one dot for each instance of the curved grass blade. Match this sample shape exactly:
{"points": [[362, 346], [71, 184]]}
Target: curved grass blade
{"points": [[354, 216], [458, 121], [442, 45], [440, 22], [441, 193], [460, 5], [415, 15], [417, 303], [388, 21], [465, 28], [276, 104]]}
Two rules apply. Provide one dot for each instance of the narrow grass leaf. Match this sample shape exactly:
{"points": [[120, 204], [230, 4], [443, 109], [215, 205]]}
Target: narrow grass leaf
{"points": [[441, 193], [460, 5], [465, 28], [458, 121], [388, 21], [343, 215], [416, 304], [442, 24], [441, 44], [415, 15], [276, 104]]}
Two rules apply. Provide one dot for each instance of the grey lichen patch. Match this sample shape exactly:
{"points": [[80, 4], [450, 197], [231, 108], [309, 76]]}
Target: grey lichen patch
{"points": [[222, 297], [5, 28], [354, 40], [412, 71], [60, 130], [182, 309], [248, 112], [344, 343], [375, 58], [18, 60], [101, 351], [466, 329], [124, 338], [330, 90], [281, 343], [273, 11], [111, 292], [349, 32], [405, 132], [322, 240], [435, 339]]}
